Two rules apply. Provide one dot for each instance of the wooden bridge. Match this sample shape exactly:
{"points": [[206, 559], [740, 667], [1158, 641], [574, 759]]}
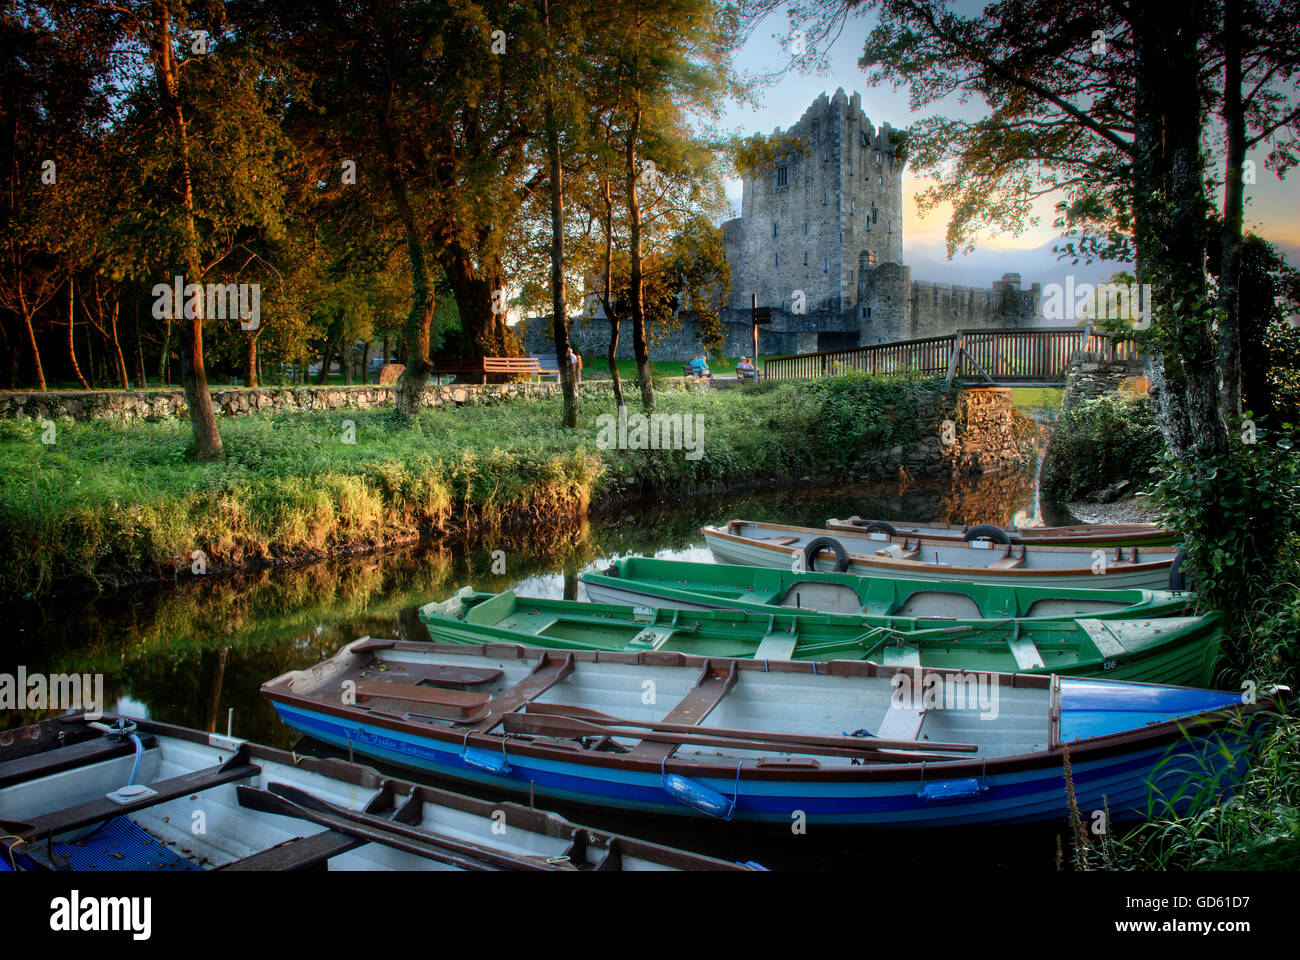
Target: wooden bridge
{"points": [[999, 357]]}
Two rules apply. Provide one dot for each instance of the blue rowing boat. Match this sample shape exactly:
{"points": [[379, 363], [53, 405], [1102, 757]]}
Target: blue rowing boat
{"points": [[836, 743]]}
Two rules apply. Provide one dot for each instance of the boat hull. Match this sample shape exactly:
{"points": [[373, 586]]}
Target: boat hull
{"points": [[727, 548]]}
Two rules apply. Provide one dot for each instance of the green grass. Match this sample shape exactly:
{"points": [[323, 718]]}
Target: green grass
{"points": [[1037, 398], [109, 500]]}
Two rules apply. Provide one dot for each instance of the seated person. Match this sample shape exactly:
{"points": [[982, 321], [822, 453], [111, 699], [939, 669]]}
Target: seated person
{"points": [[746, 370], [575, 364], [699, 368]]}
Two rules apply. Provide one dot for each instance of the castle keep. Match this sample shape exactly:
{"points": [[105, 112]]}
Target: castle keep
{"points": [[820, 241]]}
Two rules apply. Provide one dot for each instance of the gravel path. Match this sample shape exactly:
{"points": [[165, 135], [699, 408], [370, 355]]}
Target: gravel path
{"points": [[1129, 510]]}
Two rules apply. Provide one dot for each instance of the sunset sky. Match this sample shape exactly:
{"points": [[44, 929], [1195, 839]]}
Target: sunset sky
{"points": [[1272, 205]]}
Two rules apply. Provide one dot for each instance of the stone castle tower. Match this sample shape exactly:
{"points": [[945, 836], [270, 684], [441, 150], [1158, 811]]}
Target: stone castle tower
{"points": [[809, 221]]}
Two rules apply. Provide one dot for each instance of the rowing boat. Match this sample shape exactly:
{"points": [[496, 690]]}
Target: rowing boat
{"points": [[134, 794], [1088, 534], [841, 742], [1166, 650], [721, 586], [979, 561]]}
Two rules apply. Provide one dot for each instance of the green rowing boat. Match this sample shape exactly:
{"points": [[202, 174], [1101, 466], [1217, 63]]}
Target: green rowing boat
{"points": [[718, 586], [1179, 650]]}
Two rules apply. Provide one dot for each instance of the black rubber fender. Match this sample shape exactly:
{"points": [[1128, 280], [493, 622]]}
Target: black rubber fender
{"points": [[987, 531], [814, 547], [1177, 577], [880, 526]]}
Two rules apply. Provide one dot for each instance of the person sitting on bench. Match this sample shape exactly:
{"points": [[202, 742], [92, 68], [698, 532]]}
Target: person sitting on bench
{"points": [[575, 364], [699, 368], [746, 370]]}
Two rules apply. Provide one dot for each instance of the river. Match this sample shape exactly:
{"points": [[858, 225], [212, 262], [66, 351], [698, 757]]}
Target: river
{"points": [[195, 652]]}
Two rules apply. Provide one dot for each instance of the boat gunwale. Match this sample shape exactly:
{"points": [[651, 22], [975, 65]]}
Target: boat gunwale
{"points": [[513, 814], [899, 563], [1086, 534], [1093, 748]]}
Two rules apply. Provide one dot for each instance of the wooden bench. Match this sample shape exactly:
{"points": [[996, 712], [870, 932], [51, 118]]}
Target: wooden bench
{"points": [[513, 366], [548, 365], [435, 701]]}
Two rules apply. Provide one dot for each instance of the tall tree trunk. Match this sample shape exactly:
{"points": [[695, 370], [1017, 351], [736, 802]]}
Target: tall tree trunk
{"points": [[1233, 203], [326, 362], [559, 310], [117, 345], [36, 351], [605, 299], [140, 378], [1170, 214], [639, 347], [409, 394], [203, 418], [365, 362], [250, 360], [72, 351], [164, 362]]}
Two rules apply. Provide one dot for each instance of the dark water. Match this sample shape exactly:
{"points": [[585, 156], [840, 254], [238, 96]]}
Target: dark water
{"points": [[190, 653]]}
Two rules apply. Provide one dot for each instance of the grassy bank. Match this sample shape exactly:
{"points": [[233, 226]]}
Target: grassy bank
{"points": [[106, 501]]}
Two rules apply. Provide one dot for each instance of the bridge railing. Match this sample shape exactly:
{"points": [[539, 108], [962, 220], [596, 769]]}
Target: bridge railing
{"points": [[1000, 356]]}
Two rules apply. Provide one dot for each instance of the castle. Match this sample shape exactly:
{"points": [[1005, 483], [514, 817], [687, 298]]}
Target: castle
{"points": [[820, 242]]}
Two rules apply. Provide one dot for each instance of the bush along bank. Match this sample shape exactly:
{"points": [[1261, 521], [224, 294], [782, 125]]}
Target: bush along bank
{"points": [[108, 501], [1100, 443]]}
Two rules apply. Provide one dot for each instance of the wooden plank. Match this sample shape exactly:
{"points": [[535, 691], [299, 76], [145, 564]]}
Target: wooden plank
{"points": [[301, 853], [776, 647], [901, 723], [452, 704], [902, 655], [74, 755], [93, 811], [1026, 653], [707, 693], [549, 671]]}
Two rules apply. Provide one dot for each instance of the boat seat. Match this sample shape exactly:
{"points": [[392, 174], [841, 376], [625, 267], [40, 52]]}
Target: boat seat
{"points": [[901, 655], [441, 675], [901, 723], [1027, 655], [550, 670], [778, 646], [1007, 563], [715, 682], [780, 541], [451, 704]]}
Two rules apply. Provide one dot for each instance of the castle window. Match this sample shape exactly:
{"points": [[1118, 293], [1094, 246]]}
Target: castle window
{"points": [[805, 258], [891, 226], [880, 181], [852, 204], [805, 228], [782, 176], [866, 313], [864, 138], [776, 229], [871, 258], [875, 215], [826, 265], [850, 168], [776, 259], [877, 156], [850, 275], [826, 196]]}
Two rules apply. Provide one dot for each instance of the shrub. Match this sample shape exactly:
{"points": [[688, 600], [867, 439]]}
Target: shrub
{"points": [[1099, 442]]}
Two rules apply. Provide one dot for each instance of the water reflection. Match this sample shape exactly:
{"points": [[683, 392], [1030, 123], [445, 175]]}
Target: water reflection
{"points": [[190, 652]]}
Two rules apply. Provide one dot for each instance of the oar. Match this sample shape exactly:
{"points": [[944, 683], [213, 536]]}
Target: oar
{"points": [[558, 726], [850, 743], [309, 801], [266, 802]]}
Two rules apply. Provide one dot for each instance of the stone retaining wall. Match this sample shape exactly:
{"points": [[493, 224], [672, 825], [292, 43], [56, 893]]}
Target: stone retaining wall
{"points": [[1090, 377]]}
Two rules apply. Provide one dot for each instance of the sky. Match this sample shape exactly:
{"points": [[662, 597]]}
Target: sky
{"points": [[1272, 205]]}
